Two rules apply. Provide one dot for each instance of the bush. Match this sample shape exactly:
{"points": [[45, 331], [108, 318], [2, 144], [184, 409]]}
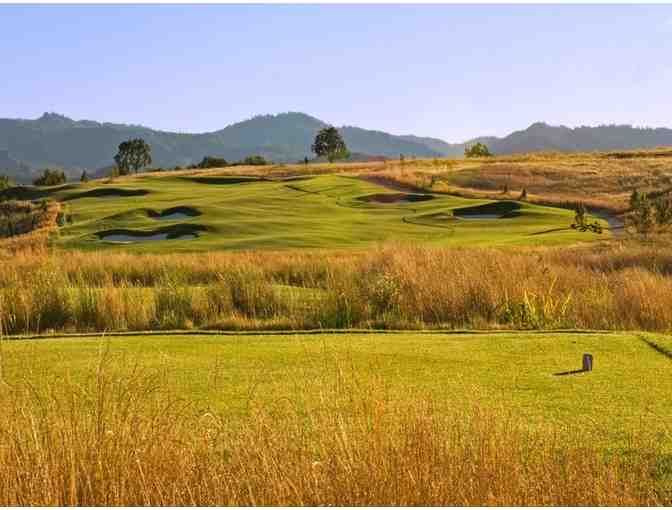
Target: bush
{"points": [[212, 162], [478, 150], [254, 160], [50, 178]]}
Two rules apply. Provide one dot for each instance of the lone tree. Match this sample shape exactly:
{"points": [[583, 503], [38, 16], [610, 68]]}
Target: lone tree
{"points": [[478, 150], [133, 155], [329, 143], [84, 177], [50, 177]]}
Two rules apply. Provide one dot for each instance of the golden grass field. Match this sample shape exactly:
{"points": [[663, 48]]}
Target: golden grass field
{"points": [[612, 285], [121, 438], [119, 433]]}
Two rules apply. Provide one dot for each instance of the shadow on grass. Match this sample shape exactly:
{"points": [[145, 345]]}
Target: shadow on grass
{"points": [[550, 231], [33, 192], [225, 179], [658, 348], [571, 372], [107, 192]]}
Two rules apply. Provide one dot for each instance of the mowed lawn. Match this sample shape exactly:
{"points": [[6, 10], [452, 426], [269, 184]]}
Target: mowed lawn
{"points": [[628, 391], [330, 211]]}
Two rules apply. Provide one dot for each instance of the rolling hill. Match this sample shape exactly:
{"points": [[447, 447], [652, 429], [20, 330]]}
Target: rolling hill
{"points": [[57, 141], [54, 140]]}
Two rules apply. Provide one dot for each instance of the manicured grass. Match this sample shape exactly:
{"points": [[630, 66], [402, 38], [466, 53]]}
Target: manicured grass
{"points": [[330, 211], [627, 391]]}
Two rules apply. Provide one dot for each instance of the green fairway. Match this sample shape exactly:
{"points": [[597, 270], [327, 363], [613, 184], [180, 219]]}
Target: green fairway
{"points": [[195, 213], [628, 390]]}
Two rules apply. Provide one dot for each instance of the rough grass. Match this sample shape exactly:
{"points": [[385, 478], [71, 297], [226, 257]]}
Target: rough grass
{"points": [[117, 434], [601, 180], [32, 234], [615, 286]]}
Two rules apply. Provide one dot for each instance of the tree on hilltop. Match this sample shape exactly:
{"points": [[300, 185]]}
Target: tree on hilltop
{"points": [[329, 143], [477, 150], [133, 155]]}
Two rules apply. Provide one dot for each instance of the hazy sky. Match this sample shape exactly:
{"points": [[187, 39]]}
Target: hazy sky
{"points": [[451, 71]]}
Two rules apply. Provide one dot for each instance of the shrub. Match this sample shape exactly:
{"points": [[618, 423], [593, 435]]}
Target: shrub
{"points": [[50, 177], [212, 162], [254, 160], [477, 150]]}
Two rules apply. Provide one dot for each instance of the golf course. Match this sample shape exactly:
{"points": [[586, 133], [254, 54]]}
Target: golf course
{"points": [[166, 214]]}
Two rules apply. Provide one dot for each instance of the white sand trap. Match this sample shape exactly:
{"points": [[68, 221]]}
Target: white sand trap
{"points": [[174, 216], [478, 216], [121, 238]]}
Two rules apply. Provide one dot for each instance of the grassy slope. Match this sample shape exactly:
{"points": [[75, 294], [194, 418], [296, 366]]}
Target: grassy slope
{"points": [[629, 388], [315, 212]]}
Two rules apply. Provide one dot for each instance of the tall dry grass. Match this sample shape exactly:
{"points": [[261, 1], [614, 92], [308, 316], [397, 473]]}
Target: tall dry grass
{"points": [[38, 224], [118, 439], [608, 286], [601, 180]]}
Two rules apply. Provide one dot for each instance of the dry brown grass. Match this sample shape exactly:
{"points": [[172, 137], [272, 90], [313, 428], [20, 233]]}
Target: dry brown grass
{"points": [[602, 180], [33, 237], [123, 441], [613, 285]]}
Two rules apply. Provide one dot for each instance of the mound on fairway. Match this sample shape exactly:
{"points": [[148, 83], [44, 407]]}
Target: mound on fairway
{"points": [[395, 198], [225, 179]]}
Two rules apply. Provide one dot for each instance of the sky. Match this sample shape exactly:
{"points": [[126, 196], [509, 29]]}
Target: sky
{"points": [[448, 71]]}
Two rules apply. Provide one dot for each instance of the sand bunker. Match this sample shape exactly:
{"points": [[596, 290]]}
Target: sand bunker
{"points": [[491, 211], [179, 232], [175, 213], [173, 216], [108, 193], [395, 198]]}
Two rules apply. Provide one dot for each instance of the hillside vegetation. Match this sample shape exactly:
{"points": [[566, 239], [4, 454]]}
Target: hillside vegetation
{"points": [[57, 141]]}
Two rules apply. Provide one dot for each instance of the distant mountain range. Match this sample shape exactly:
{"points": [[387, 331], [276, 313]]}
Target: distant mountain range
{"points": [[27, 146]]}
